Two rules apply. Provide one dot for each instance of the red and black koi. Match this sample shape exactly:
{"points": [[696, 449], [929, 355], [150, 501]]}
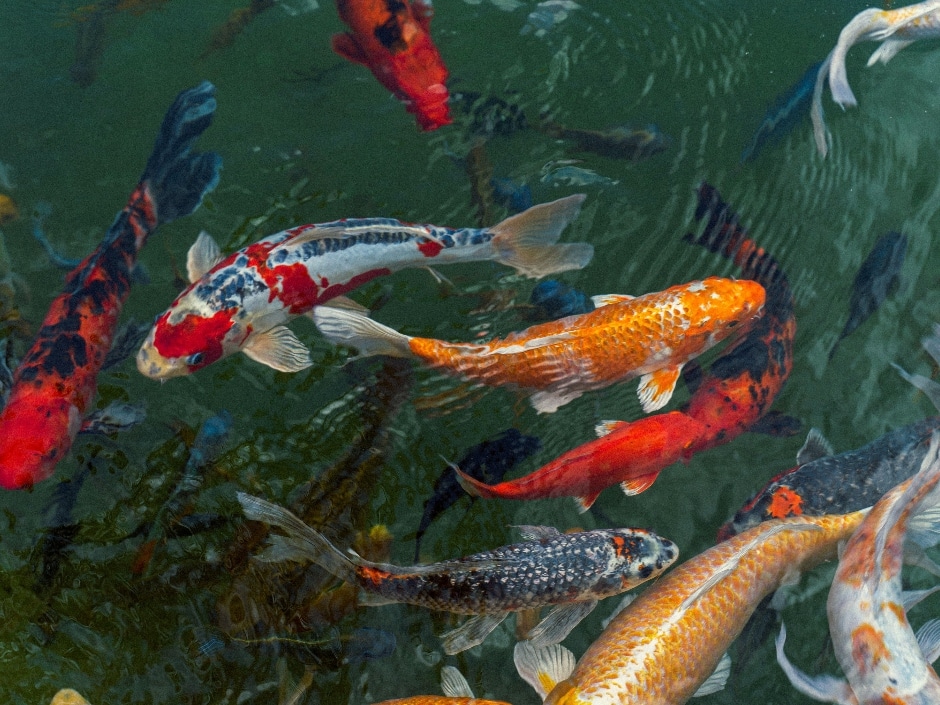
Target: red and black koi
{"points": [[586, 566], [56, 381]]}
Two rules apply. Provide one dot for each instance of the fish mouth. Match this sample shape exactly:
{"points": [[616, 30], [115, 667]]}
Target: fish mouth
{"points": [[153, 365]]}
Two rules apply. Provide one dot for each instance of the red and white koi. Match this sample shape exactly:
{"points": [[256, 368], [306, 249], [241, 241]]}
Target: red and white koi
{"points": [[240, 303], [54, 385], [570, 571], [895, 29], [650, 336], [882, 658]]}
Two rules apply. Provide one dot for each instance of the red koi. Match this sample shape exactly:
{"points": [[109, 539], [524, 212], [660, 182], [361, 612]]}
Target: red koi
{"points": [[54, 385], [392, 39]]}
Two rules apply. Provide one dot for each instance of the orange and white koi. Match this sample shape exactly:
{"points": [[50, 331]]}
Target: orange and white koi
{"points": [[240, 303], [895, 29], [456, 692], [56, 381], [570, 571], [669, 644], [650, 336], [882, 658]]}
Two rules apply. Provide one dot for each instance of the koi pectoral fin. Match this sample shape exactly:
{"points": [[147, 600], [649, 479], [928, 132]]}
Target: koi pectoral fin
{"points": [[717, 680], [471, 632], [559, 622], [548, 402], [656, 388], [827, 689], [278, 348], [346, 46], [543, 668]]}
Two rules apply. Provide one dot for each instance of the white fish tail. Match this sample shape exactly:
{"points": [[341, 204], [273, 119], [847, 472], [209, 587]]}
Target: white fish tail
{"points": [[527, 241], [820, 132], [865, 25], [301, 542], [350, 328]]}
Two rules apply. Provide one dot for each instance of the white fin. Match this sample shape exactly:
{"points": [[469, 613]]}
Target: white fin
{"points": [[558, 623], [910, 598], [300, 539], [717, 680], [549, 402], [656, 388], [584, 503], [278, 348], [815, 446], [471, 632], [916, 556], [203, 255], [526, 241], [638, 485], [440, 278], [544, 668], [343, 302], [116, 416], [625, 602], [535, 533], [820, 132], [927, 386], [354, 330], [858, 29], [610, 299], [931, 343], [888, 50], [928, 638], [603, 428], [827, 689], [453, 683]]}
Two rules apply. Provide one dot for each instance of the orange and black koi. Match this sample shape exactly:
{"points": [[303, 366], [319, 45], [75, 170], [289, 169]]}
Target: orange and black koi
{"points": [[56, 381]]}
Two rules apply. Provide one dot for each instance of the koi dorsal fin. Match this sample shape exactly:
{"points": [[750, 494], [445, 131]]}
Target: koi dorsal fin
{"points": [[203, 255], [815, 447]]}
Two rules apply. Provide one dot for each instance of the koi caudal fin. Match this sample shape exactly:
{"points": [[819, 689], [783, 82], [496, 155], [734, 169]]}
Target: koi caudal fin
{"points": [[301, 542], [351, 328], [176, 179], [527, 241]]}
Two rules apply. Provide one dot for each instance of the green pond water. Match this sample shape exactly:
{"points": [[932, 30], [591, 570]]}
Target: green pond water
{"points": [[307, 137]]}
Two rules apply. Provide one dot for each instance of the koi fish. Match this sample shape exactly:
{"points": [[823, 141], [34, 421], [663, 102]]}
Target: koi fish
{"points": [[488, 461], [668, 645], [932, 345], [822, 483], [650, 336], [67, 696], [55, 383], [238, 20], [392, 38], [491, 584], [8, 210], [491, 115], [586, 471], [619, 142], [239, 303], [895, 29], [456, 692], [874, 282], [883, 660]]}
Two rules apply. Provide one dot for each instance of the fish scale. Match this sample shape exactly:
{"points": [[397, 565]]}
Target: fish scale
{"points": [[665, 644]]}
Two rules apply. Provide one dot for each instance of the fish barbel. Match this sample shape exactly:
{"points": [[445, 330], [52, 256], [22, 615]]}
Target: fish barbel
{"points": [[663, 647], [240, 302], [652, 336]]}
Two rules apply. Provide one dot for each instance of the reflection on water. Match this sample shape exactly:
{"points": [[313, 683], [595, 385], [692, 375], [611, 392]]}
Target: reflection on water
{"points": [[308, 137]]}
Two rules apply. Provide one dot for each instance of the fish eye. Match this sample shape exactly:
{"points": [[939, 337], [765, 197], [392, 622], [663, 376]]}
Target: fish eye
{"points": [[194, 359]]}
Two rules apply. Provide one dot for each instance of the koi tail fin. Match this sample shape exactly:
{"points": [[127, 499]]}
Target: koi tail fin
{"points": [[527, 241], [932, 345], [865, 25], [301, 542], [177, 180], [474, 487], [350, 328]]}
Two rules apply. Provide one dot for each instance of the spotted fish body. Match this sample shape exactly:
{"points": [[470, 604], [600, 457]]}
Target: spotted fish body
{"points": [[895, 29], [652, 335], [56, 381], [549, 569], [879, 653], [838, 484], [667, 642], [240, 302]]}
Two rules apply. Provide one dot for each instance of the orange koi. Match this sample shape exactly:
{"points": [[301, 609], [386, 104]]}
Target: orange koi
{"points": [[54, 385], [650, 336], [883, 660], [392, 38], [669, 644], [456, 692]]}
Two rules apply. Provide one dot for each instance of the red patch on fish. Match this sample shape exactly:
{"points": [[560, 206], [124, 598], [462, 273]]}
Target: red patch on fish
{"points": [[358, 280], [868, 648], [785, 503], [175, 339], [430, 248]]}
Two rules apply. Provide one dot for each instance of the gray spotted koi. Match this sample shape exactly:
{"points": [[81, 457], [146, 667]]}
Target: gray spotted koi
{"points": [[571, 571]]}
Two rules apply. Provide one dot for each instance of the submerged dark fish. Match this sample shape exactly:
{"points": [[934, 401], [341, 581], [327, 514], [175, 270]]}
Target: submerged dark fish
{"points": [[553, 299], [490, 115], [786, 112], [480, 172], [510, 195], [488, 462], [224, 35], [618, 142], [490, 584], [875, 281]]}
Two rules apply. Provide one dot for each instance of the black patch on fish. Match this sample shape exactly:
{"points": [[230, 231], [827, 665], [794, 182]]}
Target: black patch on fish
{"points": [[389, 32]]}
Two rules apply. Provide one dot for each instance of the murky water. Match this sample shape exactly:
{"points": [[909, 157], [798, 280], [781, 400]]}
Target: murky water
{"points": [[308, 137]]}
